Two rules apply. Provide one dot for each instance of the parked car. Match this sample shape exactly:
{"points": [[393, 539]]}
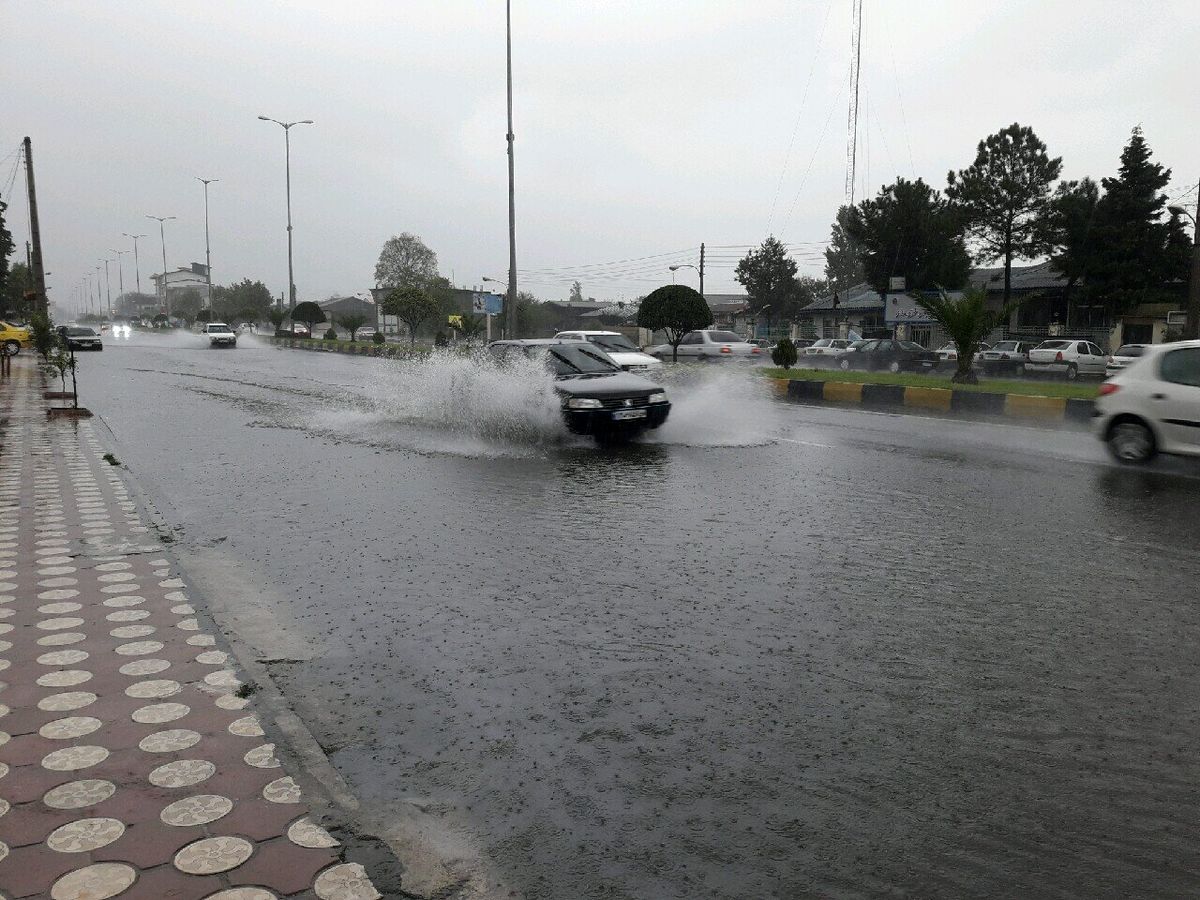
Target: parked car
{"points": [[708, 345], [220, 335], [1152, 405], [948, 353], [1124, 357], [894, 356], [1067, 357], [1005, 358], [824, 349], [598, 397], [13, 337], [365, 333], [301, 329], [624, 352]]}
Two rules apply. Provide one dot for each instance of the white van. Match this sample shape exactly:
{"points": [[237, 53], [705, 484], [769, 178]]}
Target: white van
{"points": [[624, 352]]}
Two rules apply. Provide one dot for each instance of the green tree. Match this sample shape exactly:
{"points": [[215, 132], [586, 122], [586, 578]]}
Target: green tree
{"points": [[276, 317], [186, 304], [352, 322], [472, 325], [413, 306], [966, 321], [908, 229], [41, 334], [534, 317], [242, 297], [309, 313], [576, 293], [769, 276], [1134, 261], [1069, 226], [6, 250], [19, 283], [785, 354], [674, 309], [1002, 197], [405, 261], [843, 256]]}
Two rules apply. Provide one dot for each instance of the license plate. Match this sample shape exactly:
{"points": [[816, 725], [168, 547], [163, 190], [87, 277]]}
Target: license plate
{"points": [[927, 364], [621, 415]]}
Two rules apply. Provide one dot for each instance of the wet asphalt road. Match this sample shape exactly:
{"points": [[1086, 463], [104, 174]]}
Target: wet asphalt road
{"points": [[858, 655]]}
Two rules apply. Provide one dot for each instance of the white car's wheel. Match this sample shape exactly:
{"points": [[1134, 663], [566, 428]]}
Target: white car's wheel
{"points": [[1072, 372], [1131, 441], [894, 366], [844, 365]]}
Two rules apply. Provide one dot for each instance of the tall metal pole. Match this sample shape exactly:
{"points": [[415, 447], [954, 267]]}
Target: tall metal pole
{"points": [[207, 247], [41, 301], [137, 268], [287, 151], [120, 273], [701, 270], [511, 311], [1191, 328], [99, 296], [108, 287], [162, 233]]}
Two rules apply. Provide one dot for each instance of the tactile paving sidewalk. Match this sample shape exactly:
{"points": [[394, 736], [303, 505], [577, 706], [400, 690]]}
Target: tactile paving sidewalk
{"points": [[129, 765]]}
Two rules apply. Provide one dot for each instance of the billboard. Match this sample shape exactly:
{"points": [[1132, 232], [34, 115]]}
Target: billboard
{"points": [[489, 304]]}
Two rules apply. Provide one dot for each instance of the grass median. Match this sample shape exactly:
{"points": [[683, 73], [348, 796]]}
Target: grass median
{"points": [[1069, 390]]}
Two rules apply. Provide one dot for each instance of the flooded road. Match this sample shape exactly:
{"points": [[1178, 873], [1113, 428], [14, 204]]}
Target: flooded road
{"points": [[774, 651]]}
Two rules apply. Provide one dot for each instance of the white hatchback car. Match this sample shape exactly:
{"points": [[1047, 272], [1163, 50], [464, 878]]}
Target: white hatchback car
{"points": [[1153, 406], [624, 352]]}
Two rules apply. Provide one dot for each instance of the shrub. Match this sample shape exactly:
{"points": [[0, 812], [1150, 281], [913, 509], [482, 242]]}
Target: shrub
{"points": [[784, 354], [331, 334], [440, 339], [378, 337], [42, 334]]}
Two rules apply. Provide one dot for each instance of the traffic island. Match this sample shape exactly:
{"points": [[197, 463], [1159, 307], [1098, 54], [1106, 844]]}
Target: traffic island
{"points": [[966, 401]]}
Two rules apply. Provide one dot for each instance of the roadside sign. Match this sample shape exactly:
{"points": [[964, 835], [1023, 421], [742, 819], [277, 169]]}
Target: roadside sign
{"points": [[1177, 317], [489, 304], [896, 283]]}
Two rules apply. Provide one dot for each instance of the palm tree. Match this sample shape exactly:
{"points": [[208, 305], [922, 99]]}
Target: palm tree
{"points": [[966, 321]]}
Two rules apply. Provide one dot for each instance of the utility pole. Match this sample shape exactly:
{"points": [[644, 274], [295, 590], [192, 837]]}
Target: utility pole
{"points": [[108, 286], [137, 268], [287, 151], [207, 248], [701, 270], [41, 302], [120, 274], [511, 312]]}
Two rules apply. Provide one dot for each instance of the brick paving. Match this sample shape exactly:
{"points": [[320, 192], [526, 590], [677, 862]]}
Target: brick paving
{"points": [[129, 764]]}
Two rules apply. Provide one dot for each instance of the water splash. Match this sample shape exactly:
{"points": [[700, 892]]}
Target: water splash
{"points": [[723, 407]]}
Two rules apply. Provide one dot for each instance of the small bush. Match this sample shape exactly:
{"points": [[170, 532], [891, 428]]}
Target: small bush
{"points": [[331, 334], [440, 339], [378, 337], [283, 332], [784, 354]]}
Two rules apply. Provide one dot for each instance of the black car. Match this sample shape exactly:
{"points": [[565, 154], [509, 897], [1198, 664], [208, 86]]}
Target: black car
{"points": [[79, 337], [893, 356], [598, 397]]}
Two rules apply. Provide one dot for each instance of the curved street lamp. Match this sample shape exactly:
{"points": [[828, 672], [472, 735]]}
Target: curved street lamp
{"points": [[287, 151]]}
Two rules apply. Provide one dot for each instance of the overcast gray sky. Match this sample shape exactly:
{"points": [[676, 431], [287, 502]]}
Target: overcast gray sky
{"points": [[643, 128]]}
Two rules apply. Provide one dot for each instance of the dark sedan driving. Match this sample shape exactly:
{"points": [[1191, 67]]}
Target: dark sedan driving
{"points": [[888, 355], [598, 397]]}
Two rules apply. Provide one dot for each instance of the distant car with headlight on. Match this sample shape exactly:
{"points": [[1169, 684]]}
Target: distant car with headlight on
{"points": [[598, 398]]}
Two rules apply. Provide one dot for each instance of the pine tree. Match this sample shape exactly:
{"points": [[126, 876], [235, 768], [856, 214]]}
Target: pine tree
{"points": [[843, 264], [1003, 196], [1132, 262]]}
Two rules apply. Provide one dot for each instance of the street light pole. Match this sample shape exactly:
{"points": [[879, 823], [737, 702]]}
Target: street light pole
{"points": [[107, 286], [511, 311], [162, 233], [207, 248], [287, 151], [120, 274], [137, 268]]}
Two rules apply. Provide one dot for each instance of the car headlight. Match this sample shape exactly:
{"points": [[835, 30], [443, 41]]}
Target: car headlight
{"points": [[660, 397], [583, 403]]}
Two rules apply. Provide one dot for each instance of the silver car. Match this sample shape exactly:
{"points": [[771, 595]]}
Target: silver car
{"points": [[710, 345], [1068, 358]]}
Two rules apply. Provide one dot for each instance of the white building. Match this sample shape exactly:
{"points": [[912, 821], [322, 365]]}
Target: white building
{"points": [[194, 278]]}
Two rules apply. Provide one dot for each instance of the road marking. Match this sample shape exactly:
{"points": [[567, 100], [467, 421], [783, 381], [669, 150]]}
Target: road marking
{"points": [[807, 443]]}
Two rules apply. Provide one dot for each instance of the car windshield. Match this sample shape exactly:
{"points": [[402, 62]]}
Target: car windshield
{"points": [[1006, 345], [571, 359], [615, 342], [81, 332], [1130, 350], [857, 344], [823, 342], [1053, 345], [725, 337], [911, 345], [218, 329]]}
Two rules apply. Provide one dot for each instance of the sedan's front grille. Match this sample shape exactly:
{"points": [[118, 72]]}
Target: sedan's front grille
{"points": [[621, 403]]}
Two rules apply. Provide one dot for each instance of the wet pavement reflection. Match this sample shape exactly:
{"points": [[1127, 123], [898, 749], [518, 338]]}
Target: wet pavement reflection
{"points": [[772, 651]]}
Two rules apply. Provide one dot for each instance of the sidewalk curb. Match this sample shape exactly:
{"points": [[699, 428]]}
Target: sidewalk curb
{"points": [[1018, 406]]}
